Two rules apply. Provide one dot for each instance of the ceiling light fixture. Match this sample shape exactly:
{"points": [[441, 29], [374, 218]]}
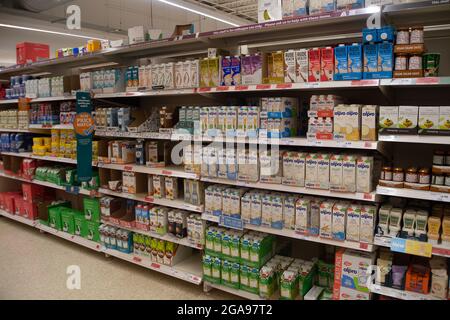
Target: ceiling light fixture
{"points": [[198, 12], [48, 31]]}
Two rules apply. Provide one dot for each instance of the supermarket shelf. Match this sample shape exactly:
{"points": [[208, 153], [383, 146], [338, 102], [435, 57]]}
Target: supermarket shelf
{"points": [[147, 93], [416, 82], [35, 100], [240, 293], [49, 127], [188, 270], [73, 238], [437, 249], [14, 130], [413, 194], [163, 171], [46, 158], [179, 204], [294, 235], [136, 135], [18, 218], [400, 294], [415, 139], [372, 196], [167, 237]]}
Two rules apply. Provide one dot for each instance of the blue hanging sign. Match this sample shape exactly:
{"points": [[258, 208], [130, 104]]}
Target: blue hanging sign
{"points": [[84, 130]]}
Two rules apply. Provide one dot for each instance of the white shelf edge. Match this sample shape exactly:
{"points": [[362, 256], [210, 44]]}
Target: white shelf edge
{"points": [[370, 197], [167, 237], [437, 249], [400, 294], [20, 219], [413, 194], [292, 234], [415, 139], [56, 126], [236, 292]]}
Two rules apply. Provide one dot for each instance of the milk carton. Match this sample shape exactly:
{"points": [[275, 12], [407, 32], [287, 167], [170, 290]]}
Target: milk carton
{"points": [[289, 67], [301, 63], [311, 167], [349, 173], [355, 62], [302, 215], [231, 121], [326, 219], [336, 177], [288, 8], [326, 64], [294, 168], [339, 220], [314, 65], [341, 62], [369, 123], [364, 174], [231, 164], [252, 122], [256, 208], [246, 202], [323, 171], [354, 270], [266, 210], [300, 8], [353, 222], [271, 167], [367, 223], [289, 213], [242, 121], [277, 212]]}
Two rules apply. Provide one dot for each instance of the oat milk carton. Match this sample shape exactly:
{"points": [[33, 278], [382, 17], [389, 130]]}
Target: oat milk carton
{"points": [[364, 172], [367, 223], [326, 219], [339, 220], [349, 173], [353, 222], [302, 215]]}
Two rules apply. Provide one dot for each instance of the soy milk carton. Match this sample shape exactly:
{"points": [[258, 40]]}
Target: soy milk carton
{"points": [[339, 220]]}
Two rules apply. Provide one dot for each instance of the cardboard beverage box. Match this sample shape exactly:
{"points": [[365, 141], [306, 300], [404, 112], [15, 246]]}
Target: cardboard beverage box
{"points": [[67, 221], [80, 225], [91, 209], [314, 65], [92, 231]]}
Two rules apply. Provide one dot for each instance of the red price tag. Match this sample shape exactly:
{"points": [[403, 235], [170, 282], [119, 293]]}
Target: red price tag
{"points": [[441, 251], [263, 86], [427, 80], [97, 247], [137, 259], [222, 88], [129, 93], [167, 172], [367, 144], [155, 265], [364, 82], [128, 168], [149, 199], [241, 88], [284, 85], [363, 245], [204, 89], [368, 196]]}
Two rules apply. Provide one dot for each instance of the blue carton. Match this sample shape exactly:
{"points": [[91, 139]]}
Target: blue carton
{"points": [[386, 33], [369, 35], [341, 62], [355, 62]]}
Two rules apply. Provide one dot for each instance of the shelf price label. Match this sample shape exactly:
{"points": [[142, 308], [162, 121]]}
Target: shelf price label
{"points": [[155, 265], [230, 222], [414, 247], [137, 259], [263, 86], [284, 85]]}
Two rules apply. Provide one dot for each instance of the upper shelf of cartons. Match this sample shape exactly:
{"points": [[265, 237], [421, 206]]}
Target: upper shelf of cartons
{"points": [[322, 27]]}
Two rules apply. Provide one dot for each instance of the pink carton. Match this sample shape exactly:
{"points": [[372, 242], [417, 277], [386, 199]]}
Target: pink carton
{"points": [[326, 64], [314, 65]]}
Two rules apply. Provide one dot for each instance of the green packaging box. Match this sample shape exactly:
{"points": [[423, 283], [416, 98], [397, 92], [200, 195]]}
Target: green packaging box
{"points": [[67, 220], [289, 285], [256, 250], [250, 279], [267, 281], [306, 279], [54, 217], [92, 231], [91, 209], [80, 225]]}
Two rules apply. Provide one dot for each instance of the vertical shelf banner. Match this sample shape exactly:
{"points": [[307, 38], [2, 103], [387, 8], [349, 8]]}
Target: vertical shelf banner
{"points": [[84, 129]]}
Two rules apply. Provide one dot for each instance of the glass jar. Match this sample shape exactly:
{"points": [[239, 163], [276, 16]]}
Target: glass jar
{"points": [[438, 179], [386, 174], [424, 176], [398, 175], [402, 36], [412, 175], [415, 62], [401, 62], [416, 35], [439, 158]]}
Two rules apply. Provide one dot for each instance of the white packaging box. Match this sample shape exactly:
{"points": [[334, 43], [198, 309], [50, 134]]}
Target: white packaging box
{"points": [[388, 117], [408, 117], [194, 74], [169, 75], [289, 66], [353, 222], [186, 74], [266, 210], [242, 121], [148, 75], [246, 212], [350, 294], [294, 168], [354, 269], [226, 200], [364, 174], [369, 123], [349, 173], [367, 223], [179, 75], [311, 179], [300, 8], [204, 124], [271, 167], [288, 8], [154, 71], [153, 220], [444, 118], [429, 117], [159, 190], [136, 34], [171, 188], [161, 74], [231, 120], [302, 215], [269, 10], [323, 171], [209, 200], [339, 220], [277, 211], [218, 199], [289, 213], [301, 62], [326, 219], [256, 208], [336, 178], [142, 78]]}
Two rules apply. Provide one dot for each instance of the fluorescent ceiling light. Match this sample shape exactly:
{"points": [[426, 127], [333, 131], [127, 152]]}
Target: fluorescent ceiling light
{"points": [[48, 31], [198, 12]]}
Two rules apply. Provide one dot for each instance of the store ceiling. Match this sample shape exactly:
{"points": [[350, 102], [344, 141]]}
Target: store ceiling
{"points": [[246, 9]]}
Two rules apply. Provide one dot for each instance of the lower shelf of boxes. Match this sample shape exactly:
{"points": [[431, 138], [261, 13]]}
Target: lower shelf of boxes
{"points": [[188, 269]]}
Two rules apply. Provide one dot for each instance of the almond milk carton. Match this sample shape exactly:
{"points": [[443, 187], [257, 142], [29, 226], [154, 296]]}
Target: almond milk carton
{"points": [[314, 227], [246, 202], [339, 220], [256, 208], [369, 122], [326, 219], [364, 172], [277, 211], [353, 222], [266, 210], [289, 213], [294, 168]]}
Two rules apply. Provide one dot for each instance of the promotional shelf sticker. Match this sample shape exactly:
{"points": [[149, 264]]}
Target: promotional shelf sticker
{"points": [[84, 128]]}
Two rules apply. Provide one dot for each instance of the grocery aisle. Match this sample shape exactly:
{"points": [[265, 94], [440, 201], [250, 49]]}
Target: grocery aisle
{"points": [[33, 266]]}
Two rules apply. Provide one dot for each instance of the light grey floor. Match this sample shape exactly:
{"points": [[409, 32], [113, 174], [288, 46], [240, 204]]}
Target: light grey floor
{"points": [[33, 266]]}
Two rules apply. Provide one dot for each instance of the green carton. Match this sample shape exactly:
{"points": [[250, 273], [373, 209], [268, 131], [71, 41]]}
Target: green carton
{"points": [[306, 278], [80, 225], [67, 220], [92, 231], [91, 209], [256, 250], [54, 217]]}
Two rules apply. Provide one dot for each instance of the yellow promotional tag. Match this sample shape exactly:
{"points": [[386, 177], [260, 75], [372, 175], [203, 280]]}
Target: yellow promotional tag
{"points": [[418, 248]]}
